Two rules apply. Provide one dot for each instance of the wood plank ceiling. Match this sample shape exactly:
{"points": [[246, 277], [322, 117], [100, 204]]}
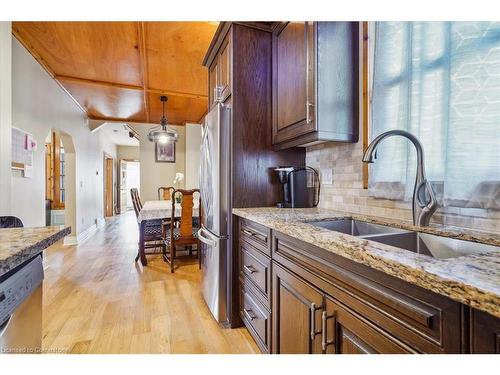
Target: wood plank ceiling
{"points": [[118, 70]]}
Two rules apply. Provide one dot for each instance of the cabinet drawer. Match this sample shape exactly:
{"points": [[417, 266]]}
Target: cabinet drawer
{"points": [[256, 318], [256, 267], [256, 235], [424, 320]]}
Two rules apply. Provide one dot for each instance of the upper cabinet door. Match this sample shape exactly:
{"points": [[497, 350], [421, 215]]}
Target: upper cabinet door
{"points": [[296, 314], [292, 81], [315, 83], [224, 81], [212, 83], [219, 76]]}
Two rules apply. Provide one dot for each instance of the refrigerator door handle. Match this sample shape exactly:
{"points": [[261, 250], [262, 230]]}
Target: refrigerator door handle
{"points": [[203, 237]]}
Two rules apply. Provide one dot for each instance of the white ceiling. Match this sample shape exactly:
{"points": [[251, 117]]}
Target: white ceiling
{"points": [[118, 133]]}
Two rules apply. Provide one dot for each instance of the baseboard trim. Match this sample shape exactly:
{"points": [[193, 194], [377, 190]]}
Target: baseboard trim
{"points": [[70, 240], [101, 223], [85, 235]]}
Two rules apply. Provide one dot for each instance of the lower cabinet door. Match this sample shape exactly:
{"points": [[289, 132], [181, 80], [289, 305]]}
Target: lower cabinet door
{"points": [[296, 314], [485, 335], [343, 332]]}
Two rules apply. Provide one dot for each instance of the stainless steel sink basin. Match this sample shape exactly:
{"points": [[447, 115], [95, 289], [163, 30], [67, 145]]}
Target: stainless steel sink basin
{"points": [[421, 243], [434, 246], [355, 227]]}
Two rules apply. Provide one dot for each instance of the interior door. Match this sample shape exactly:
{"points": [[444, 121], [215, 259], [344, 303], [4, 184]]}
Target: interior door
{"points": [[123, 186], [108, 183], [296, 314]]}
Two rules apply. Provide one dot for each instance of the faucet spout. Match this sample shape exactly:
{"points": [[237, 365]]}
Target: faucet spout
{"points": [[424, 200]]}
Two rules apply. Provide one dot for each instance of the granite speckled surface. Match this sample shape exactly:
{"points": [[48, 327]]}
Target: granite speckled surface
{"points": [[473, 280], [20, 244]]}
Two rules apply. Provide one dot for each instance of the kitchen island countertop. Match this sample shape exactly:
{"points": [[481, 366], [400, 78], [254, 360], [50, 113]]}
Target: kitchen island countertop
{"points": [[18, 245]]}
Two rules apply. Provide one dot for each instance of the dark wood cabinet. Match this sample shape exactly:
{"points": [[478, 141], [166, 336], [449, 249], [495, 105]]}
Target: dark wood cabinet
{"points": [[346, 332], [239, 71], [296, 314], [315, 83], [320, 302], [219, 75], [212, 83], [485, 333], [308, 321], [292, 91]]}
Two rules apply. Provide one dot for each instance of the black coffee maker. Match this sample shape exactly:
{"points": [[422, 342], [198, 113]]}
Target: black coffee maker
{"points": [[300, 187]]}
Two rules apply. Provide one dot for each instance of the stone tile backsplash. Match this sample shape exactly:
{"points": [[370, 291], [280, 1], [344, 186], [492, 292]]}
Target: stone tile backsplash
{"points": [[341, 172]]}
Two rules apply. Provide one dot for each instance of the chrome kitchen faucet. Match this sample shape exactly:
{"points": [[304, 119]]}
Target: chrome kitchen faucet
{"points": [[424, 200]]}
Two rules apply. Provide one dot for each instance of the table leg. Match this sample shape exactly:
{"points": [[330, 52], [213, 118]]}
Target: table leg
{"points": [[141, 244]]}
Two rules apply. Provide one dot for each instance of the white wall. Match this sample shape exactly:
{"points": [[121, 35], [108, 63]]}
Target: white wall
{"points": [[39, 105], [127, 152], [154, 175], [193, 143], [5, 116]]}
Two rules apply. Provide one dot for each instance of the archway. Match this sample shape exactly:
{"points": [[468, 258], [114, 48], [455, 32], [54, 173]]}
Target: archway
{"points": [[60, 180]]}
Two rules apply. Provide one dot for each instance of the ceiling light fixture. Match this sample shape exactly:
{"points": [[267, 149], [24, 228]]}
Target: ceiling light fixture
{"points": [[163, 133]]}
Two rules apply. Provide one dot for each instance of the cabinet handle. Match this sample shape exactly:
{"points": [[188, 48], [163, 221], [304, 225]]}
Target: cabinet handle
{"points": [[253, 234], [248, 233], [308, 112], [313, 309], [249, 269], [217, 93], [324, 332], [249, 314]]}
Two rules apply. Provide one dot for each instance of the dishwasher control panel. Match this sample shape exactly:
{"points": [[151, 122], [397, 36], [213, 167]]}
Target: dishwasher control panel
{"points": [[19, 286]]}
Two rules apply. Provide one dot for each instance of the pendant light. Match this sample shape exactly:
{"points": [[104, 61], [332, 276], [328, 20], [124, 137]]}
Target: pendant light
{"points": [[163, 133]]}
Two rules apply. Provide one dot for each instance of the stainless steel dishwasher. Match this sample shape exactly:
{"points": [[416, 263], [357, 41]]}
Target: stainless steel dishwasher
{"points": [[21, 308]]}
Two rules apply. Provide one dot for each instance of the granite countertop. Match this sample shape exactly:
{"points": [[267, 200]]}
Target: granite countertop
{"points": [[18, 245], [473, 280]]}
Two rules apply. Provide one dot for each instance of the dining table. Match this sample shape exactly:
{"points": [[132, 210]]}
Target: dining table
{"points": [[158, 210]]}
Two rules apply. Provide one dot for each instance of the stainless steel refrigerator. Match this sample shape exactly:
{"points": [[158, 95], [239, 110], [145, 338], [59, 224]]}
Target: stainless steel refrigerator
{"points": [[215, 190]]}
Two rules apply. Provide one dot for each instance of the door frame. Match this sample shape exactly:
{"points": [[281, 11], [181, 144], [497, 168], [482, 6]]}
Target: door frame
{"points": [[105, 177], [119, 182]]}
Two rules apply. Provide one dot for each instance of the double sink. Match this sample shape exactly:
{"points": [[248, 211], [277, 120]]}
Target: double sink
{"points": [[421, 243]]}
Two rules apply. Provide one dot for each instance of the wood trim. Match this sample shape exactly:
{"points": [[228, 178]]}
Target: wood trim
{"points": [[177, 93], [144, 65], [94, 82], [108, 191], [127, 87], [366, 99], [56, 160], [217, 40], [44, 65]]}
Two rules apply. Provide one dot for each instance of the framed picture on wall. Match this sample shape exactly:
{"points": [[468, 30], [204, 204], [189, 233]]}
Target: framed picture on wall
{"points": [[165, 152]]}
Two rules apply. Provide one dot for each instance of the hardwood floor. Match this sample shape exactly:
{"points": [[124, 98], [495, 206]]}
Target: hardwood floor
{"points": [[97, 300]]}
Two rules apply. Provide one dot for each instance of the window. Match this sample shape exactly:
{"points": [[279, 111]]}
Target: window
{"points": [[441, 82]]}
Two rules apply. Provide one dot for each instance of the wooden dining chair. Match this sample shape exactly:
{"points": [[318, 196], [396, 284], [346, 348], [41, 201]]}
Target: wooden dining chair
{"points": [[154, 231], [165, 193], [186, 234], [136, 200]]}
